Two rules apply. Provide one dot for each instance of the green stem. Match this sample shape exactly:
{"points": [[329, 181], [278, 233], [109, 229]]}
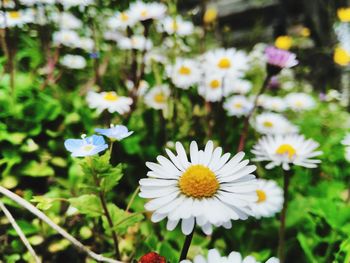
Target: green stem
{"points": [[132, 199], [281, 243], [186, 246]]}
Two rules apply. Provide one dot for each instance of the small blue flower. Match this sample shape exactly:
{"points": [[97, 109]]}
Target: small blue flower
{"points": [[115, 133], [86, 146]]}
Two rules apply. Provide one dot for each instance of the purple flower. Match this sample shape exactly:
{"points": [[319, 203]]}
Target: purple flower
{"points": [[280, 58]]}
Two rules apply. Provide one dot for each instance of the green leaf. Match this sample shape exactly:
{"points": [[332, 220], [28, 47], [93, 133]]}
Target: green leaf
{"points": [[43, 202], [36, 169], [111, 178], [121, 219], [305, 245], [87, 204], [26, 227]]}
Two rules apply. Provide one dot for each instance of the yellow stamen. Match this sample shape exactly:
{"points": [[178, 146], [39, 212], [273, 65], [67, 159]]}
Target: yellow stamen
{"points": [[268, 124], [174, 26], [214, 84], [224, 63], [159, 98], [198, 181], [341, 56], [238, 105], [14, 14], [261, 196], [299, 104], [286, 149], [124, 17], [185, 70], [111, 96], [144, 13], [210, 15], [88, 148]]}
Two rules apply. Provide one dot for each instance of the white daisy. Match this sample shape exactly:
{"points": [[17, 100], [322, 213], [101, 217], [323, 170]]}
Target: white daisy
{"points": [[285, 150], [67, 38], [234, 257], [142, 88], [16, 18], [73, 61], [137, 42], [273, 123], [157, 97], [233, 84], [209, 189], [184, 73], [300, 101], [274, 103], [108, 101], [86, 44], [270, 199], [121, 20], [144, 11], [211, 89], [71, 3], [66, 20], [176, 25], [230, 61], [238, 106]]}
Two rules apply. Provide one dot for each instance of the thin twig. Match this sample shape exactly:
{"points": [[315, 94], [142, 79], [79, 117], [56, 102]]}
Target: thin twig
{"points": [[19, 232], [25, 204], [132, 198], [186, 246]]}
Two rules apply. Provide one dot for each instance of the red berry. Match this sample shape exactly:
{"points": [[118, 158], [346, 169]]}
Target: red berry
{"points": [[152, 257]]}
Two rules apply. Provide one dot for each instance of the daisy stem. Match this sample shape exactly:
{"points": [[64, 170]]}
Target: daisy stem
{"points": [[186, 246], [245, 130], [281, 242]]}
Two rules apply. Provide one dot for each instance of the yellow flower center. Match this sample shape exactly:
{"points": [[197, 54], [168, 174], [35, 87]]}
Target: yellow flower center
{"points": [[261, 196], [198, 181], [268, 124], [124, 17], [286, 149], [341, 56], [238, 105], [144, 13], [185, 70], [284, 42], [214, 84], [174, 26], [299, 104], [344, 14], [14, 14], [224, 63], [159, 98], [305, 32], [210, 15], [88, 148], [111, 96]]}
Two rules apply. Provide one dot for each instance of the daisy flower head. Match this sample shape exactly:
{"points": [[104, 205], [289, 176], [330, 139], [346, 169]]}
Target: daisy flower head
{"points": [[211, 89], [137, 42], [145, 11], [157, 97], [286, 150], [300, 101], [270, 199], [86, 146], [234, 257], [67, 38], [176, 25], [71, 3], [185, 73], [108, 101], [73, 61], [121, 20], [273, 123], [274, 103], [207, 189], [115, 132], [238, 106], [230, 61], [15, 18], [236, 85], [66, 20], [277, 59]]}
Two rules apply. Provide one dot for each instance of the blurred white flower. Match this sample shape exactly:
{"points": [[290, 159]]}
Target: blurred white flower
{"points": [[300, 101], [157, 97], [137, 42], [274, 103], [73, 61], [67, 38], [66, 20], [121, 20], [273, 123], [176, 25], [236, 85], [238, 106], [211, 88], [108, 101], [185, 73], [143, 11]]}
